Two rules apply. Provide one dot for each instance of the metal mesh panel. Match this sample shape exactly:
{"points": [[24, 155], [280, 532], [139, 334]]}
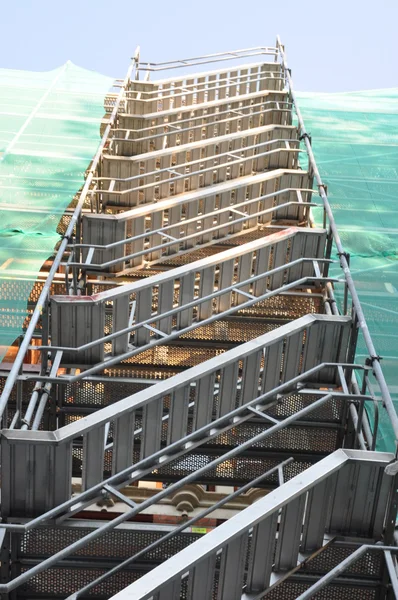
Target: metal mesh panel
{"points": [[12, 288], [368, 565], [230, 331], [113, 547], [232, 472], [27, 389], [118, 544], [199, 253], [289, 590], [249, 236], [330, 412], [305, 439], [284, 307], [182, 357], [62, 581], [142, 373], [97, 394]]}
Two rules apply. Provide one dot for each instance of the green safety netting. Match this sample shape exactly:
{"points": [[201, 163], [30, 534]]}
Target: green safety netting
{"points": [[355, 142], [49, 132]]}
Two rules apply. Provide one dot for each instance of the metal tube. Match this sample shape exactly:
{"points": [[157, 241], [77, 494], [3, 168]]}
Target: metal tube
{"points": [[180, 528], [57, 260], [31, 407], [40, 410], [232, 55], [15, 583], [356, 422], [45, 395], [343, 259], [370, 438], [14, 420], [369, 386], [391, 571]]}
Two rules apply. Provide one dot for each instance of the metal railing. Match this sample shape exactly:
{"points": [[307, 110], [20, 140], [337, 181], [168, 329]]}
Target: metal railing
{"points": [[222, 154], [209, 58], [96, 484], [148, 246], [166, 94], [184, 126]]}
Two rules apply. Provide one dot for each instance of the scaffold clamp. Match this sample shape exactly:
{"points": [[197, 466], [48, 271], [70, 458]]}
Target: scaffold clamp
{"points": [[306, 135]]}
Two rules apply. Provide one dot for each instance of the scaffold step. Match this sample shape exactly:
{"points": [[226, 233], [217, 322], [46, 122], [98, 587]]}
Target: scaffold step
{"points": [[146, 96], [151, 177], [212, 109], [188, 221], [216, 285], [182, 126], [121, 193]]}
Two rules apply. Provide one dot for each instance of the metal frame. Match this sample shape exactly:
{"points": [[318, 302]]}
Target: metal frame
{"points": [[209, 58]]}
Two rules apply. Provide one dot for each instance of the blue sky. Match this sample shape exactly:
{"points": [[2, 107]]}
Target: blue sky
{"points": [[332, 45]]}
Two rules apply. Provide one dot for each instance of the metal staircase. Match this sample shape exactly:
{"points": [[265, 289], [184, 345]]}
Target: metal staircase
{"points": [[260, 552], [196, 342]]}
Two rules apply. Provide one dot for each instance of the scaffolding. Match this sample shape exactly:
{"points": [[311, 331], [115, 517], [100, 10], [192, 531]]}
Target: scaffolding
{"points": [[196, 342]]}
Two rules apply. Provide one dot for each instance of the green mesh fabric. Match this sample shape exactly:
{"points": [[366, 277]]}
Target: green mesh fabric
{"points": [[49, 132], [355, 141]]}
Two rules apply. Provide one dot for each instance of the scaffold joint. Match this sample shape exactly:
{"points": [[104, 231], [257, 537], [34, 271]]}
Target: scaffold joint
{"points": [[371, 359], [346, 256], [330, 301], [306, 135]]}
